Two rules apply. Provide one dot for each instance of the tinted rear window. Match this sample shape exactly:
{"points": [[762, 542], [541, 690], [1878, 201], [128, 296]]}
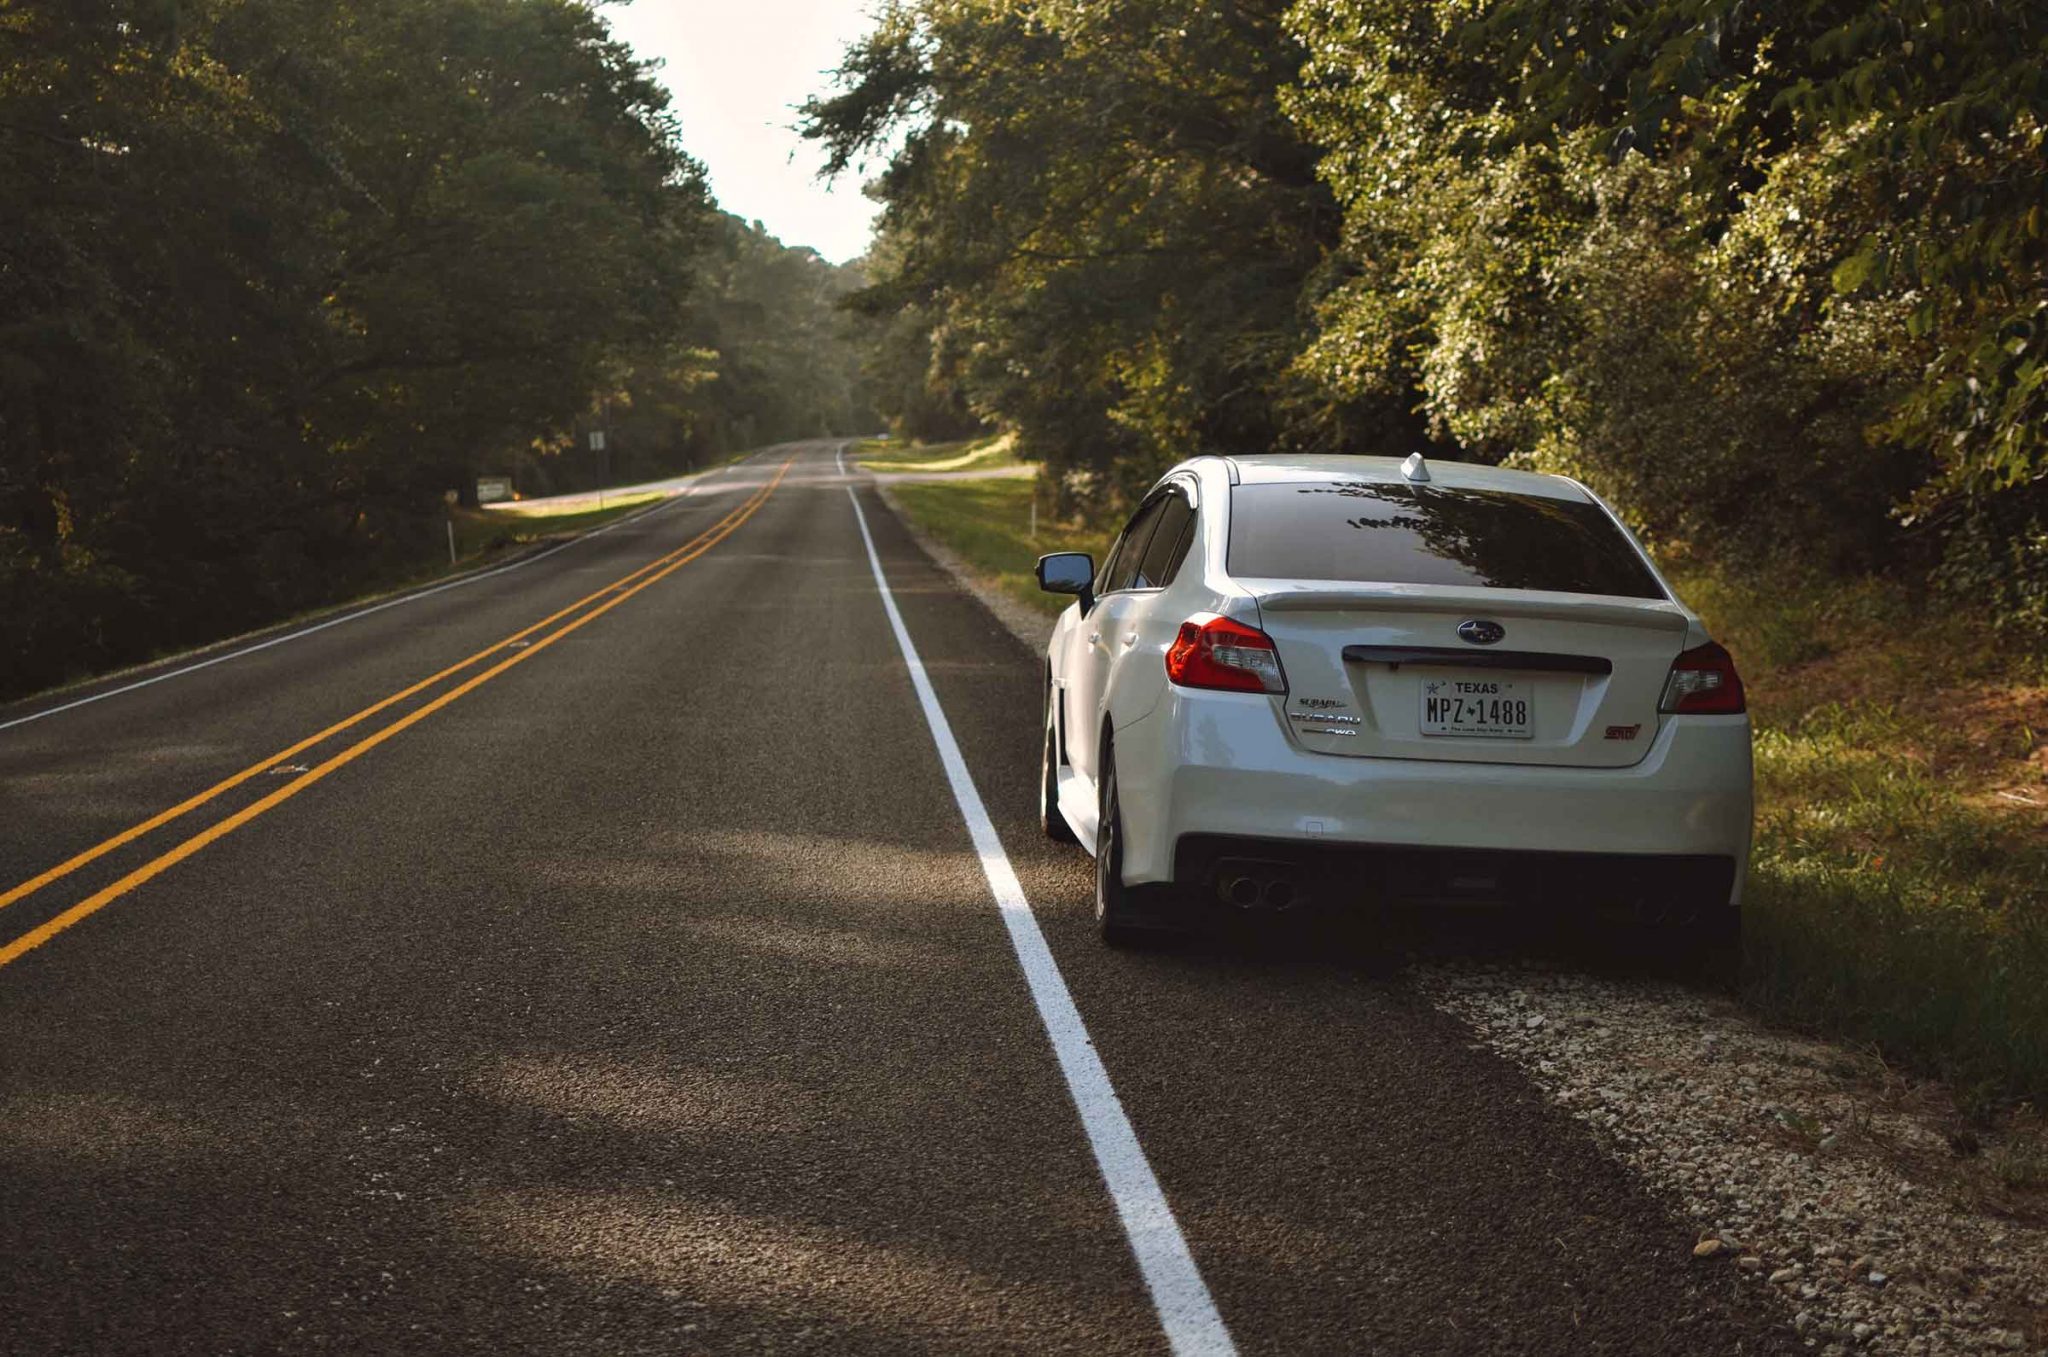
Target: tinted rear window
{"points": [[1362, 532]]}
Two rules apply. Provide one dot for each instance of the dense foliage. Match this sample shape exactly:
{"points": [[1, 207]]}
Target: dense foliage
{"points": [[1712, 256], [763, 354], [787, 360], [275, 274], [1774, 276]]}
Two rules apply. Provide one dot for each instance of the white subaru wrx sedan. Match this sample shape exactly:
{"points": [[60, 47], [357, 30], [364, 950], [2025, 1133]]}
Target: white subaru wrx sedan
{"points": [[1349, 679]]}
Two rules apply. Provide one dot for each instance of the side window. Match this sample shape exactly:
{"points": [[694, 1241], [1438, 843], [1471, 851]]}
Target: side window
{"points": [[1122, 566], [1111, 563], [1170, 541]]}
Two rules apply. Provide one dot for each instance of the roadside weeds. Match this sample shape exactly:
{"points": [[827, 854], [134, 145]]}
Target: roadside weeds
{"points": [[1899, 888]]}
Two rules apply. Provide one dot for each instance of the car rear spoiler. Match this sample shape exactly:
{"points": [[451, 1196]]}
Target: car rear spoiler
{"points": [[1654, 614]]}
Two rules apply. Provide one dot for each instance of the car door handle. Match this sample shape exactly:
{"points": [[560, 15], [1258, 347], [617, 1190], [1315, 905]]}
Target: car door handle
{"points": [[1095, 638], [1130, 639]]}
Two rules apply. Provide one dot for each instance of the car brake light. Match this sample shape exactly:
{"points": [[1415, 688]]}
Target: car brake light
{"points": [[1215, 652], [1703, 682]]}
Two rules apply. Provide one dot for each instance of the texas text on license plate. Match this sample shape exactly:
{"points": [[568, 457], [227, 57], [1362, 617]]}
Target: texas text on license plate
{"points": [[1486, 707]]}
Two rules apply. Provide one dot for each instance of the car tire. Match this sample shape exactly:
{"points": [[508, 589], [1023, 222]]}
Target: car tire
{"points": [[1049, 817], [1713, 945], [1118, 919]]}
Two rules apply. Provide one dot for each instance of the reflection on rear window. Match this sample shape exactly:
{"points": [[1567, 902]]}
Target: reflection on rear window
{"points": [[1363, 532]]}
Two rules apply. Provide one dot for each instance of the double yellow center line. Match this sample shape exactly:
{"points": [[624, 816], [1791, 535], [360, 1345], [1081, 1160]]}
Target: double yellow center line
{"points": [[611, 596]]}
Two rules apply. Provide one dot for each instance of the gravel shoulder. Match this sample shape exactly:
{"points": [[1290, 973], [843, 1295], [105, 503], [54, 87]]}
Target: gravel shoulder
{"points": [[1864, 1204]]}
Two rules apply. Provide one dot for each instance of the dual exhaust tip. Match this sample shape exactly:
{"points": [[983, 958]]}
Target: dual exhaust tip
{"points": [[1246, 884]]}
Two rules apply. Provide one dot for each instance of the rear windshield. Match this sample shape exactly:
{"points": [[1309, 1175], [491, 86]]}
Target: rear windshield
{"points": [[1427, 534]]}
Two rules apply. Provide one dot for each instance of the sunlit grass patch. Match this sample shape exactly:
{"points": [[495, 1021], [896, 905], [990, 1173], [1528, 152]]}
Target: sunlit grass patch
{"points": [[481, 531], [988, 524], [539, 510], [977, 454]]}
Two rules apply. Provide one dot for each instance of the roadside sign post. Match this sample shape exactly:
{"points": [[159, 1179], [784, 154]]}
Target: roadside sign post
{"points": [[597, 446]]}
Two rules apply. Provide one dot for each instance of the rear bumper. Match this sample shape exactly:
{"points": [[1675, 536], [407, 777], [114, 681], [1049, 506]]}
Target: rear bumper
{"points": [[1203, 765]]}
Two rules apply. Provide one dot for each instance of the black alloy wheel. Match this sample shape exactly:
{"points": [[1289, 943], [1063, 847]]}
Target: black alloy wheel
{"points": [[1116, 912], [1049, 817]]}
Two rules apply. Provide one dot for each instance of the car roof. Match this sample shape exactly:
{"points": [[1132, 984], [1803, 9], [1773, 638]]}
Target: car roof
{"points": [[1281, 469]]}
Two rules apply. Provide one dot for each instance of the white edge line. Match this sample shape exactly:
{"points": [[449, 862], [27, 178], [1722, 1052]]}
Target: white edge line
{"points": [[479, 576], [1186, 1311]]}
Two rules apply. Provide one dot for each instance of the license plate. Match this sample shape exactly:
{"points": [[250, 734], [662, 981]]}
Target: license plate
{"points": [[1491, 709]]}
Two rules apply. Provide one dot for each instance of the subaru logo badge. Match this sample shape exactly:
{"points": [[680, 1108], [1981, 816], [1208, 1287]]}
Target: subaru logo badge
{"points": [[1481, 633]]}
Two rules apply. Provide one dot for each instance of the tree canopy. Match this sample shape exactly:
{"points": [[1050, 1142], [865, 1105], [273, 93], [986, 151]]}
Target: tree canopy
{"points": [[1772, 276], [277, 274]]}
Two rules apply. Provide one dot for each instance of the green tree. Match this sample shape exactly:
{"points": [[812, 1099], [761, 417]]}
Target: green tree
{"points": [[277, 274], [1706, 251], [908, 364], [764, 354], [1099, 225]]}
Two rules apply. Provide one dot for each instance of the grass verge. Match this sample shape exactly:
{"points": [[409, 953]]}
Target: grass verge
{"points": [[988, 524], [478, 531], [1899, 889], [975, 454], [1898, 894]]}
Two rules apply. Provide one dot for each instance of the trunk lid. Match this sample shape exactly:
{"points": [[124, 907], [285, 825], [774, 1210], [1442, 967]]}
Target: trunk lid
{"points": [[1381, 671]]}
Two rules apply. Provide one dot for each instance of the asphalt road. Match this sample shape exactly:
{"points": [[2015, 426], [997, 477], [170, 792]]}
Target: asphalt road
{"points": [[650, 996]]}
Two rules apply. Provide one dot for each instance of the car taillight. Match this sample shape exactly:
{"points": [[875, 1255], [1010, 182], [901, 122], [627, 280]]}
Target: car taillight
{"points": [[1703, 682], [1215, 652]]}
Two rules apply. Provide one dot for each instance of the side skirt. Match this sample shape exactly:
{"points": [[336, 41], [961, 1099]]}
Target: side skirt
{"points": [[1078, 803]]}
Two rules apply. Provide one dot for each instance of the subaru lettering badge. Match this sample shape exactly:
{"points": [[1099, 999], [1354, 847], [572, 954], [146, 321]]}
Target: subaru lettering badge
{"points": [[1480, 632]]}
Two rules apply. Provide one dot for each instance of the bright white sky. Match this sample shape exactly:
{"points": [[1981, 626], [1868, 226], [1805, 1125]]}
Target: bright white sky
{"points": [[738, 69]]}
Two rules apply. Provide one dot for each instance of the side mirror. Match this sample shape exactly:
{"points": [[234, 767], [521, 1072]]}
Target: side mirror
{"points": [[1068, 572]]}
